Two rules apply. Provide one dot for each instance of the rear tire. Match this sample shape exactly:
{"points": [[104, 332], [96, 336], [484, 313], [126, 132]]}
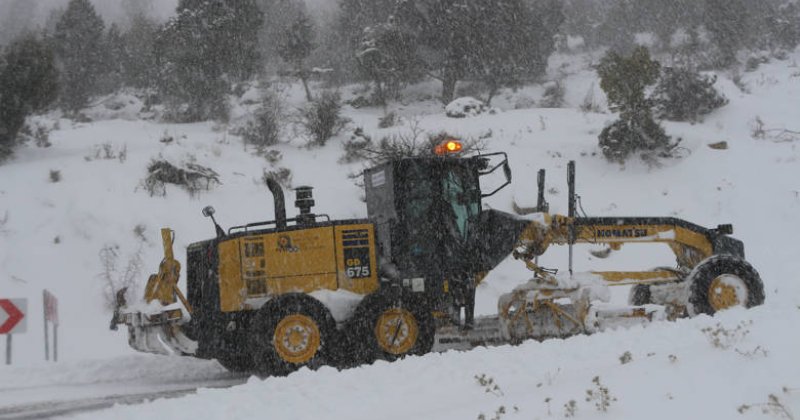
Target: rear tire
{"points": [[290, 332], [389, 325], [723, 281]]}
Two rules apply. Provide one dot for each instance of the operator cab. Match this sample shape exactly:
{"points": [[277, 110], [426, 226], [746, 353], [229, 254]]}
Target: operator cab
{"points": [[431, 229]]}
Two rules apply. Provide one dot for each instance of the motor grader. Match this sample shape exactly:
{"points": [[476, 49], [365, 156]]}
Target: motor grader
{"points": [[276, 295]]}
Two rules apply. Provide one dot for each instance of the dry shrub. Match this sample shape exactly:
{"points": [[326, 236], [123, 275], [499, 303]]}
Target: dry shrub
{"points": [[192, 177], [322, 118]]}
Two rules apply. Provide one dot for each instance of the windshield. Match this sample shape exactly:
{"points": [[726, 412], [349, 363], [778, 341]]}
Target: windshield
{"points": [[463, 197]]}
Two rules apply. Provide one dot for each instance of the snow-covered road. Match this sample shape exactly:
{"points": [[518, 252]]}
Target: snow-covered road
{"points": [[49, 409], [51, 390]]}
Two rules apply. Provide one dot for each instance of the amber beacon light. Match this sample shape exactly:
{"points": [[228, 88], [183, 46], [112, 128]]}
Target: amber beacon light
{"points": [[448, 146]]}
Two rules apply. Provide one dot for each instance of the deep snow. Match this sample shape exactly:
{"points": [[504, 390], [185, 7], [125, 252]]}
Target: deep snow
{"points": [[675, 372]]}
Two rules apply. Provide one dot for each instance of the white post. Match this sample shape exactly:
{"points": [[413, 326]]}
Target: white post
{"points": [[46, 343], [55, 342], [8, 349]]}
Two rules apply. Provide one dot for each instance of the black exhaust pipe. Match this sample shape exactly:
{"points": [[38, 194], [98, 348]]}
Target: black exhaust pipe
{"points": [[541, 204], [280, 203], [571, 209]]}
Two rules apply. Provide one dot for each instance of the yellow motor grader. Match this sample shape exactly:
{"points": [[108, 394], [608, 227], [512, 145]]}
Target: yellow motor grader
{"points": [[276, 295]]}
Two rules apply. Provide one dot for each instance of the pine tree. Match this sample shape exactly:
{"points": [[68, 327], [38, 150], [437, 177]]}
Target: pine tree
{"points": [[208, 45], [343, 39], [388, 57], [728, 24], [783, 26], [278, 14], [190, 77], [684, 95], [240, 39], [516, 42], [139, 66], [624, 79], [443, 29], [116, 59], [496, 41], [28, 83], [356, 15], [79, 47], [296, 44], [230, 30]]}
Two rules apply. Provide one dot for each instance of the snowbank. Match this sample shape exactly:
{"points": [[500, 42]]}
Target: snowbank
{"points": [[675, 371]]}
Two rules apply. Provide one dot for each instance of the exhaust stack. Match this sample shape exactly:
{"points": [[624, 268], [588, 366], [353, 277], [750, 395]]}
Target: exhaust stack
{"points": [[571, 210], [541, 203], [280, 202]]}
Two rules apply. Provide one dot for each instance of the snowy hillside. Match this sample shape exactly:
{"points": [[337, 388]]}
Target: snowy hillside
{"points": [[51, 234]]}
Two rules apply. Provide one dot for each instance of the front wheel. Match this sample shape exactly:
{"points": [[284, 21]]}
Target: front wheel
{"points": [[721, 282], [389, 325]]}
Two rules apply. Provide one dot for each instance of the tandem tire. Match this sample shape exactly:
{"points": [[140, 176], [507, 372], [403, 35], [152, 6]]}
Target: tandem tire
{"points": [[292, 331], [389, 325], [721, 282], [640, 295]]}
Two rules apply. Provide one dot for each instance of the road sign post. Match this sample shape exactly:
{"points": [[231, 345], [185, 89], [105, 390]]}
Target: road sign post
{"points": [[46, 343], [50, 307], [12, 321]]}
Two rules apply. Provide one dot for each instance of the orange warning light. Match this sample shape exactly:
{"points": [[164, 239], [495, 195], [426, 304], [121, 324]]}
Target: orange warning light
{"points": [[448, 146]]}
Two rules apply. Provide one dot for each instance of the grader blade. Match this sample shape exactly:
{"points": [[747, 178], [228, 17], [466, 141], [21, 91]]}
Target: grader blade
{"points": [[159, 333], [484, 332]]}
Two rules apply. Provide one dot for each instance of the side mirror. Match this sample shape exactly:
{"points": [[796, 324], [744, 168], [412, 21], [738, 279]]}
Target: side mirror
{"points": [[506, 171], [208, 211]]}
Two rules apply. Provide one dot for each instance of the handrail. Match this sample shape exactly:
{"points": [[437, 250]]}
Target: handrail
{"points": [[273, 222]]}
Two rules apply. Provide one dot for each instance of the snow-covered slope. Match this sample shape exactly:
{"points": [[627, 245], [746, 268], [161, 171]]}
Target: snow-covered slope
{"points": [[676, 370]]}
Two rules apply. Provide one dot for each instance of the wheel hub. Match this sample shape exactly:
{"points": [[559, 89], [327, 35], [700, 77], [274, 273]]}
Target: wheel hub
{"points": [[297, 338], [397, 331], [727, 291]]}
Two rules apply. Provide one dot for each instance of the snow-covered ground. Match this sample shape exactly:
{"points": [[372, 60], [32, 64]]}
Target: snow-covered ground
{"points": [[53, 233]]}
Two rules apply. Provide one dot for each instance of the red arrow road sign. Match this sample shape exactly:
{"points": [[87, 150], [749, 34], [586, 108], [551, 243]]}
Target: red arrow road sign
{"points": [[15, 315]]}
